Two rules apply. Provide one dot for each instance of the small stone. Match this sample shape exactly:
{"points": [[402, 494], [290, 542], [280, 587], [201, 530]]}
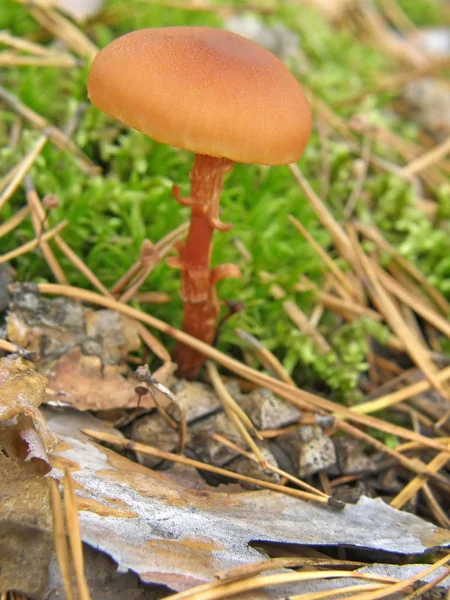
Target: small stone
{"points": [[209, 450], [155, 431], [316, 451], [267, 411], [250, 468], [350, 494], [351, 458], [304, 451], [388, 482], [197, 399]]}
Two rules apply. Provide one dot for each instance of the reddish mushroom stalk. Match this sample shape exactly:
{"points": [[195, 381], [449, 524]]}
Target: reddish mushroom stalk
{"points": [[216, 94], [198, 288]]}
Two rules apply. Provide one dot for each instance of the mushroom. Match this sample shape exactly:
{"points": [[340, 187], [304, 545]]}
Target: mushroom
{"points": [[221, 96]]}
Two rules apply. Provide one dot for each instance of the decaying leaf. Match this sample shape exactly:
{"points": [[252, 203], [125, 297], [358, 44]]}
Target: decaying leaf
{"points": [[80, 350], [86, 384], [22, 390], [30, 446], [176, 536]]}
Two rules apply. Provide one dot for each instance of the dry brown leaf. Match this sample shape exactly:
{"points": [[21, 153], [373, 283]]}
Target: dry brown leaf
{"points": [[30, 445], [22, 390], [82, 351], [82, 382]]}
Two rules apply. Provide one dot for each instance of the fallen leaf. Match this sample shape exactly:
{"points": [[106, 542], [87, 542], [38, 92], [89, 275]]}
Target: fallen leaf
{"points": [[22, 390], [33, 451], [83, 382], [82, 351]]}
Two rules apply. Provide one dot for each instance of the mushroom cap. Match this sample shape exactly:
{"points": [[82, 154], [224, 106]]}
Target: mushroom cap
{"points": [[205, 90]]}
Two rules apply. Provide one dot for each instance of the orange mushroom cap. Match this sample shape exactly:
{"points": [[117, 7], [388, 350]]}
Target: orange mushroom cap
{"points": [[205, 90]]}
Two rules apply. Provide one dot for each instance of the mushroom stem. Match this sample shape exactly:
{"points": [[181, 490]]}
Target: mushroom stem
{"points": [[198, 292]]}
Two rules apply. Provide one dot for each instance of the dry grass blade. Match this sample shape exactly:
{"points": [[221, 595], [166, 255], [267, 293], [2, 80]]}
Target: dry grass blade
{"points": [[14, 221], [269, 360], [395, 82], [431, 157], [26, 45], [51, 132], [169, 456], [347, 590], [153, 343], [163, 246], [301, 398], [240, 420], [361, 176], [340, 276], [416, 484], [153, 298], [33, 243], [326, 218], [400, 395], [10, 59], [14, 349], [412, 465], [348, 309], [225, 589], [421, 591], [65, 30], [298, 482], [23, 167], [73, 529], [271, 564], [61, 546], [38, 217], [372, 233], [299, 318], [419, 354], [402, 585], [441, 323], [437, 511]]}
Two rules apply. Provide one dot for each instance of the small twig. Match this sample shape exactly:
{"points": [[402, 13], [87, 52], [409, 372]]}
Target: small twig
{"points": [[438, 462], [14, 349], [243, 250], [431, 157], [337, 272], [235, 413], [73, 530], [63, 29], [14, 60], [298, 482], [143, 374], [153, 298], [298, 317], [145, 449], [33, 243], [60, 538], [326, 218], [38, 216], [51, 132], [372, 233], [14, 221], [268, 359], [23, 167], [361, 176]]}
